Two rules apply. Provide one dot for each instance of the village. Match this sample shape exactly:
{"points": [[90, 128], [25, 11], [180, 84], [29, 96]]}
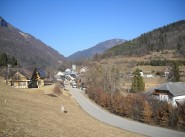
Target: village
{"points": [[92, 68], [171, 92]]}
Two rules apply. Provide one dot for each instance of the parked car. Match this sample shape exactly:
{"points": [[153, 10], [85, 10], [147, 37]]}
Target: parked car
{"points": [[74, 85]]}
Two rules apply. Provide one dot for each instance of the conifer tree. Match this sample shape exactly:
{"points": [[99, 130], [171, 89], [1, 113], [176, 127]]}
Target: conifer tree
{"points": [[137, 85], [3, 59]]}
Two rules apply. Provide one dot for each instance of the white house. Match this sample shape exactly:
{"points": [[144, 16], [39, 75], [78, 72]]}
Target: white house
{"points": [[60, 76], [61, 73], [68, 71], [172, 92], [167, 71], [142, 74]]}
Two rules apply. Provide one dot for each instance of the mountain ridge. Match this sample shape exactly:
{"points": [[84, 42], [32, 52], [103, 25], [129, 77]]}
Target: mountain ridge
{"points": [[28, 50], [97, 49]]}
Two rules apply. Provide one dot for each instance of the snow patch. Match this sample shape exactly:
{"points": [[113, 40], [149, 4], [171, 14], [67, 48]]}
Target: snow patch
{"points": [[24, 35]]}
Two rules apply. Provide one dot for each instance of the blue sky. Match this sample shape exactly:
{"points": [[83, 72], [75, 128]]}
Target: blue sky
{"points": [[69, 26]]}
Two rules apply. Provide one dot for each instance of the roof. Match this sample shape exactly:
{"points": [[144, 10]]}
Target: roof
{"points": [[61, 73], [180, 101], [41, 72], [68, 70], [175, 88], [26, 72], [18, 76]]}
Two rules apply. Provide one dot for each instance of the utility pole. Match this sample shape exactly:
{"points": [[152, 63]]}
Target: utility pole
{"points": [[8, 73]]}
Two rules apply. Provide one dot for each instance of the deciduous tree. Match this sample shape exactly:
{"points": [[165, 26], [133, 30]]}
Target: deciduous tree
{"points": [[174, 75]]}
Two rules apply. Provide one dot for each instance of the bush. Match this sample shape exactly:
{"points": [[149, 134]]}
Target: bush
{"points": [[57, 90], [147, 113], [138, 107]]}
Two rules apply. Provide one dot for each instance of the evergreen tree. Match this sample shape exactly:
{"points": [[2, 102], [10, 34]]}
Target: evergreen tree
{"points": [[14, 61], [174, 75], [3, 59], [137, 85]]}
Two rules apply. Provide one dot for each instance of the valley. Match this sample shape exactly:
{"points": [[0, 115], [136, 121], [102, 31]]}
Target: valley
{"points": [[133, 79]]}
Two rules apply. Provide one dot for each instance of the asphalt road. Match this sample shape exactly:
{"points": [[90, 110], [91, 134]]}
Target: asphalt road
{"points": [[133, 126]]}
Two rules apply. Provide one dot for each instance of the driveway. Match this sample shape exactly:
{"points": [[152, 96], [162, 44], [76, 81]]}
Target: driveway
{"points": [[133, 126]]}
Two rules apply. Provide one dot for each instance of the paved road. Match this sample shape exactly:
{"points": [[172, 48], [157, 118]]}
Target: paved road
{"points": [[117, 121]]}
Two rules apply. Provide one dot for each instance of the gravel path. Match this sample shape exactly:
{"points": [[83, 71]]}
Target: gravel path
{"points": [[117, 121]]}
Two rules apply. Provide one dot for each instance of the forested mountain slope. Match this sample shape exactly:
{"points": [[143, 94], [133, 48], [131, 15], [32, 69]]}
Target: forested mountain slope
{"points": [[170, 37]]}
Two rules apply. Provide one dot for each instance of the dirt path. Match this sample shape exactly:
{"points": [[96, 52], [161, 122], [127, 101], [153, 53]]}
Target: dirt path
{"points": [[32, 113], [123, 123]]}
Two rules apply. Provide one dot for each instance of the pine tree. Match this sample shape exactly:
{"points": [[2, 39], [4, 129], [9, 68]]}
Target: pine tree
{"points": [[3, 59], [174, 75], [14, 61], [137, 84]]}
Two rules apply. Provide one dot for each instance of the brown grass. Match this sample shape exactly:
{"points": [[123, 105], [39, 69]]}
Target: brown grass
{"points": [[33, 113]]}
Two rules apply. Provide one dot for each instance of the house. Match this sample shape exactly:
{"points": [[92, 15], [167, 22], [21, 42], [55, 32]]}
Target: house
{"points": [[61, 73], [37, 79], [60, 76], [20, 80], [83, 69], [68, 71], [172, 92], [167, 71]]}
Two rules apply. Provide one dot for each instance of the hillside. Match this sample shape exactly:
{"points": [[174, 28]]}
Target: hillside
{"points": [[97, 49], [32, 113], [29, 51], [170, 37]]}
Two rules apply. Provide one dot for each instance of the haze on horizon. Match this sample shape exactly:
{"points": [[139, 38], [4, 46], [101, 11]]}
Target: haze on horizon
{"points": [[74, 25]]}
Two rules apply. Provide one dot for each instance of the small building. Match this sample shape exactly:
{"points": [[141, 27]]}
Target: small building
{"points": [[61, 73], [60, 76], [37, 79], [20, 80], [167, 71], [74, 67], [68, 71], [172, 92]]}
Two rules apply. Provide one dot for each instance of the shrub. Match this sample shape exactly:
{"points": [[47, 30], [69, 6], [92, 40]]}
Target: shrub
{"points": [[57, 90], [147, 113], [181, 117], [137, 107]]}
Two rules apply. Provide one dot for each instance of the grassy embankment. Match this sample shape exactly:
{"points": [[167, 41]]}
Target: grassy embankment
{"points": [[31, 112]]}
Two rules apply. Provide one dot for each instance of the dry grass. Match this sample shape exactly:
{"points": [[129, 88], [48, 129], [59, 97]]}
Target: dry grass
{"points": [[33, 113], [124, 60]]}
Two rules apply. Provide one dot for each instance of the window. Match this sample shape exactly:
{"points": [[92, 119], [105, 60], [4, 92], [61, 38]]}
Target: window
{"points": [[163, 97]]}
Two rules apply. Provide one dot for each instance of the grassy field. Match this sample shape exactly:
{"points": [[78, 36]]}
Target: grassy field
{"points": [[32, 113], [128, 64]]}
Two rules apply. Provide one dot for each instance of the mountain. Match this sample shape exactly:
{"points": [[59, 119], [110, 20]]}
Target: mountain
{"points": [[170, 37], [29, 51], [97, 49]]}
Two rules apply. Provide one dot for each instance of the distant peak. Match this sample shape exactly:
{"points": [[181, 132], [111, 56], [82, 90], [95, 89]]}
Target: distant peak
{"points": [[3, 23]]}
